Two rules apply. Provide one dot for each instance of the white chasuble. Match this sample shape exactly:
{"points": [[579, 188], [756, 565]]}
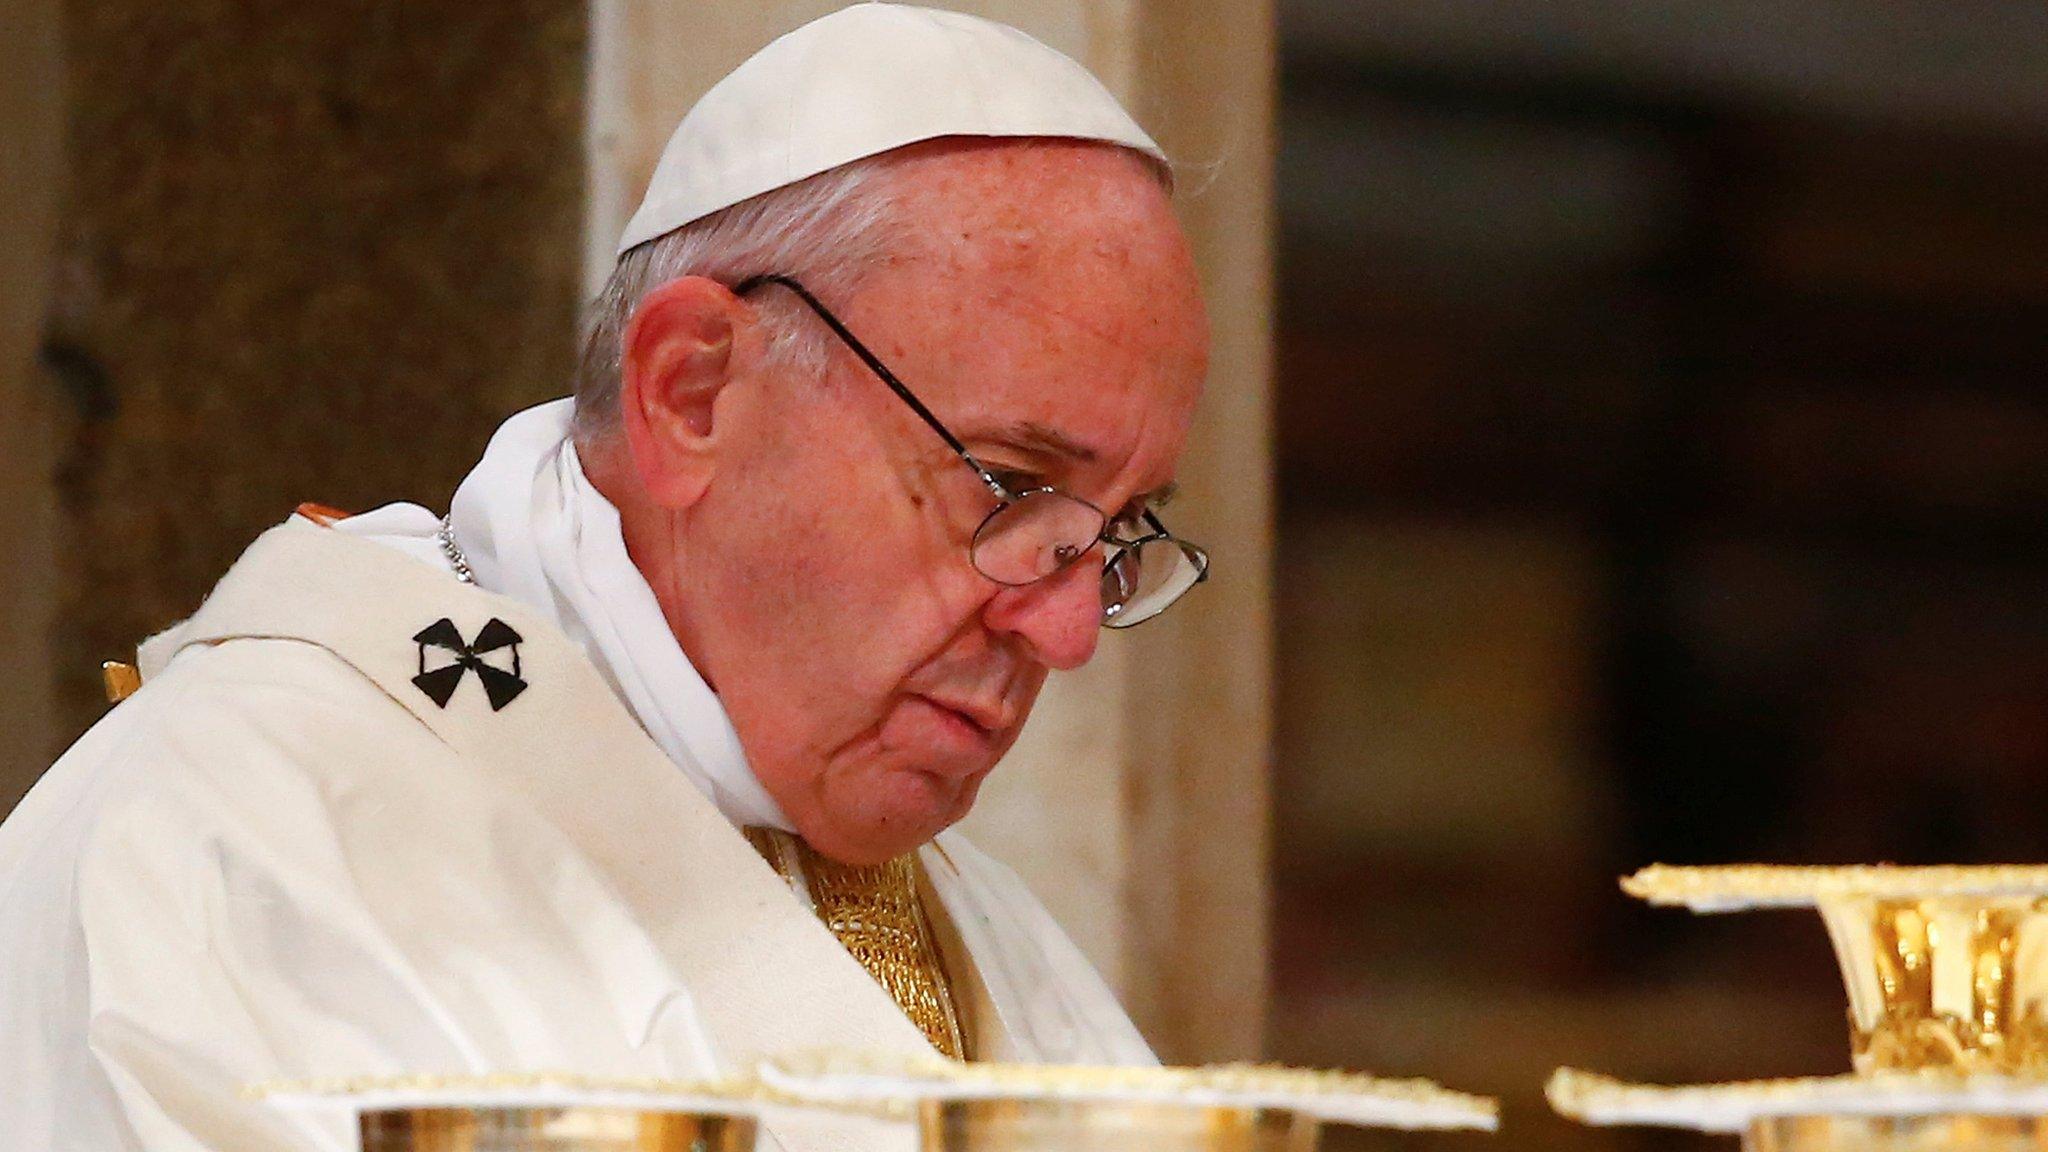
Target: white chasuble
{"points": [[317, 845]]}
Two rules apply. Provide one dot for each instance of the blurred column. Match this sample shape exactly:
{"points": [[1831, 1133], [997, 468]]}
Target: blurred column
{"points": [[31, 119], [1136, 803], [311, 252]]}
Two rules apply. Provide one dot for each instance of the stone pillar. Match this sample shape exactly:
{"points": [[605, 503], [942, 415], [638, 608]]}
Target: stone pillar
{"points": [[1136, 803], [1197, 765], [30, 170], [311, 252]]}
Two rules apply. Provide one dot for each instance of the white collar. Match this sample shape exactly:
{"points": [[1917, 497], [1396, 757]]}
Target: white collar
{"points": [[533, 528]]}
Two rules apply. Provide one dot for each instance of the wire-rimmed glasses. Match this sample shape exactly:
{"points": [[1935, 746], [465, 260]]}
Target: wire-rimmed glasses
{"points": [[1035, 533]]}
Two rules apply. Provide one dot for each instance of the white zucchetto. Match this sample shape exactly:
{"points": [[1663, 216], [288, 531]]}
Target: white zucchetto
{"points": [[862, 81]]}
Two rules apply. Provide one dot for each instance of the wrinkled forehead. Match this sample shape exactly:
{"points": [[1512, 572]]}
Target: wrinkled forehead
{"points": [[1023, 208], [1049, 287]]}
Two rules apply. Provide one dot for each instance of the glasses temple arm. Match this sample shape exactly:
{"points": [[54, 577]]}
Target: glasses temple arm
{"points": [[875, 365]]}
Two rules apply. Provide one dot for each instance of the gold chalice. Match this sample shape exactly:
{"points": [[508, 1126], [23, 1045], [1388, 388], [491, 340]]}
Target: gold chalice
{"points": [[1896, 1134], [1943, 981], [1109, 1126], [559, 1129], [533, 1113], [1056, 1108], [1947, 972]]}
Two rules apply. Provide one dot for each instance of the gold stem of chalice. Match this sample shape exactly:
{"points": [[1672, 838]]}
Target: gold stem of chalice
{"points": [[1108, 1126], [1897, 1134], [1950, 982], [575, 1129]]}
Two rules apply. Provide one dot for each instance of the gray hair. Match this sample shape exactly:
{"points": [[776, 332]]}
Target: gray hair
{"points": [[827, 229]]}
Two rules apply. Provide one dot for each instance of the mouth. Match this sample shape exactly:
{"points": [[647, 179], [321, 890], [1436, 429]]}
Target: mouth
{"points": [[990, 719], [959, 738]]}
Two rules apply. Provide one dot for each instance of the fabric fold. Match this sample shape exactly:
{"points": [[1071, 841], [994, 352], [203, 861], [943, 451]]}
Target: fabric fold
{"points": [[533, 527]]}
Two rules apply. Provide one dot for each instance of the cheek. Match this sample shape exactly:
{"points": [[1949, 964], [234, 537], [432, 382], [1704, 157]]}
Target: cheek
{"points": [[848, 583]]}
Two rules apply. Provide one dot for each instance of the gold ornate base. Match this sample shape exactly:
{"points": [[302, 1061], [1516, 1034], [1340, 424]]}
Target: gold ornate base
{"points": [[1898, 1134], [1108, 1126], [1939, 982], [553, 1130]]}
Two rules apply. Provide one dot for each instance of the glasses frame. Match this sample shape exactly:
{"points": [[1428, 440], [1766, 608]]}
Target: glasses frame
{"points": [[1115, 547]]}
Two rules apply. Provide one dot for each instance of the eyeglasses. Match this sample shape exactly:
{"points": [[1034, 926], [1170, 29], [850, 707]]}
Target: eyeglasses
{"points": [[1037, 533]]}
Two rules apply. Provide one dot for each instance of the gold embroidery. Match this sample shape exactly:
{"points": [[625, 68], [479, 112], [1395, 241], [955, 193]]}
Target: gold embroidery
{"points": [[876, 913]]}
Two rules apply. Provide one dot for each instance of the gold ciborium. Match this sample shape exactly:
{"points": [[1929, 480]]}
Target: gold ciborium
{"points": [[1108, 1126], [532, 1113], [1952, 982], [1895, 1133], [1058, 1108], [563, 1129], [1947, 972]]}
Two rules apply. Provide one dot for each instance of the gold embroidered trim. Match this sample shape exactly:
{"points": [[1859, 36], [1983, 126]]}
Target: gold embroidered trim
{"points": [[878, 917]]}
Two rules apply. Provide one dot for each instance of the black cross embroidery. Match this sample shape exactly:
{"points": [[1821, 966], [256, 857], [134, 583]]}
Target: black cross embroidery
{"points": [[500, 685]]}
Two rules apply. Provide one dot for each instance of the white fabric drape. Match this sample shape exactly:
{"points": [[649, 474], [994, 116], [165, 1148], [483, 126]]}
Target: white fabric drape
{"points": [[533, 528], [283, 859]]}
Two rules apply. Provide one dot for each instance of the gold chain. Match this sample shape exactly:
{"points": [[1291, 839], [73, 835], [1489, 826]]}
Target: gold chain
{"points": [[878, 917]]}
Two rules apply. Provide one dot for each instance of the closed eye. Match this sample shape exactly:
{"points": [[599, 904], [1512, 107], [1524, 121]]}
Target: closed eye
{"points": [[1018, 483]]}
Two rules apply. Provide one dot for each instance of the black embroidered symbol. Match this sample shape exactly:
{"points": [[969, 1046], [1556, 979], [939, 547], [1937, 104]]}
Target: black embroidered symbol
{"points": [[500, 685]]}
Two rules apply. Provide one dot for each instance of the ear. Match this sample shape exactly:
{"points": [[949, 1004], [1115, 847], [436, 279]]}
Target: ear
{"points": [[675, 360]]}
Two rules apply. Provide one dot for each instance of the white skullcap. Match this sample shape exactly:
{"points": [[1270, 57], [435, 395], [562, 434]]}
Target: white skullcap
{"points": [[862, 81]]}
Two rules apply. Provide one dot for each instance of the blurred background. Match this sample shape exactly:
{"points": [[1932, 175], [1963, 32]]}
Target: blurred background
{"points": [[1663, 475], [1658, 440]]}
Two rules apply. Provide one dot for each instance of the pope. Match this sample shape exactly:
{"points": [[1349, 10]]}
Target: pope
{"points": [[642, 759]]}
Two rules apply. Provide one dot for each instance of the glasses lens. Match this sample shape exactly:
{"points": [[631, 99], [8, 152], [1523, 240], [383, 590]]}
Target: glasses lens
{"points": [[1035, 536], [1141, 582]]}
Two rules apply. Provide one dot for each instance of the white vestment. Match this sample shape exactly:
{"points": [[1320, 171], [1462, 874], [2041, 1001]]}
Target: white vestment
{"points": [[282, 859]]}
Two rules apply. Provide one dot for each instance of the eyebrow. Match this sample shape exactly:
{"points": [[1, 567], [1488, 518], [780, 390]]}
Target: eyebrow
{"points": [[1037, 439]]}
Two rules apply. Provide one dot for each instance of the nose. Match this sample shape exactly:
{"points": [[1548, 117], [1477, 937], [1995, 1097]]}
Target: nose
{"points": [[1059, 619]]}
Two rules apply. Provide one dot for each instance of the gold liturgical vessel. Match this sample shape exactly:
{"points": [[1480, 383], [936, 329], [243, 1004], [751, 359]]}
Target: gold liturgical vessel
{"points": [[531, 1113], [936, 1105], [1947, 974], [557, 1129], [1055, 1108]]}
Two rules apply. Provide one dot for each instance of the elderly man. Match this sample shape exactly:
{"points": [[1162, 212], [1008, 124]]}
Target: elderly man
{"points": [[642, 759]]}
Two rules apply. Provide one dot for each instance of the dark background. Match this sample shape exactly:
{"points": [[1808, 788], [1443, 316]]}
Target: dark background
{"points": [[309, 252], [1663, 415]]}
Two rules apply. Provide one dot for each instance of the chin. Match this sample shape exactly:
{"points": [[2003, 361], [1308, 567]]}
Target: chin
{"points": [[867, 846], [891, 818]]}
